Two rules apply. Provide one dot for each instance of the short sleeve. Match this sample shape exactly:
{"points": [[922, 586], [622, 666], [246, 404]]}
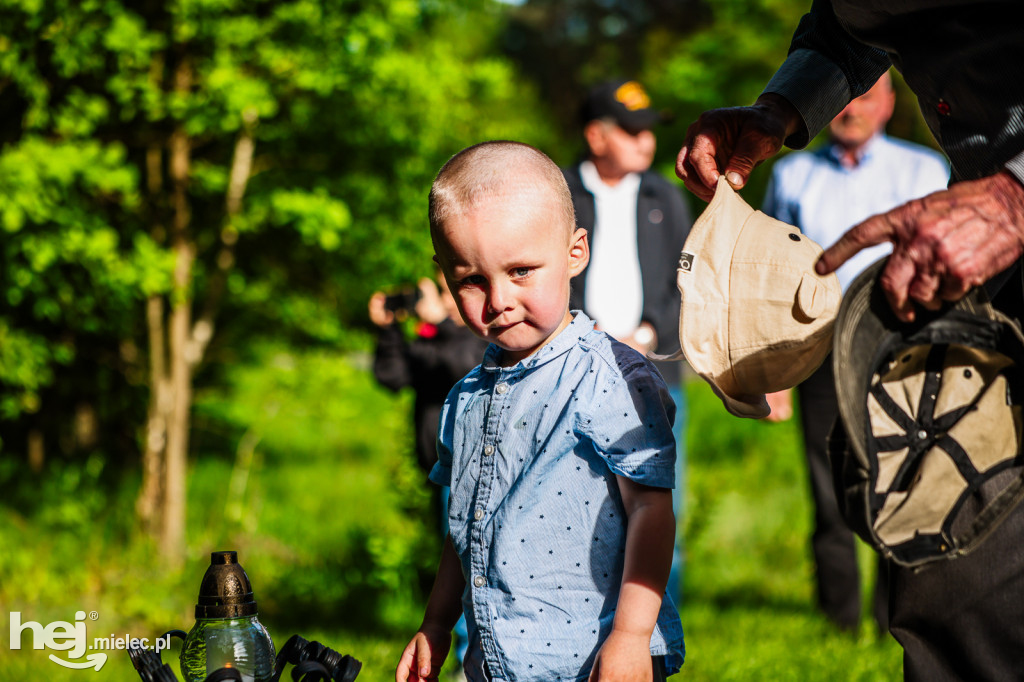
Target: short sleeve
{"points": [[630, 421], [441, 474]]}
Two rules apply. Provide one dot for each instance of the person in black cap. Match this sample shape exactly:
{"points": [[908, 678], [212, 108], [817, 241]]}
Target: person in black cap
{"points": [[637, 223]]}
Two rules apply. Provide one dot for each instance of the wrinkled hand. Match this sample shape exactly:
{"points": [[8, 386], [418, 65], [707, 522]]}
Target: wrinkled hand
{"points": [[944, 244], [423, 657], [732, 142], [781, 404], [623, 657]]}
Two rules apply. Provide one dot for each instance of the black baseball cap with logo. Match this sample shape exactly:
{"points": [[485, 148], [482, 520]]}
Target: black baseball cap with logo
{"points": [[625, 102]]}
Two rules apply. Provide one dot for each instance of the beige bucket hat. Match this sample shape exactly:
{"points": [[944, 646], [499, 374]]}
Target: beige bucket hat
{"points": [[755, 317]]}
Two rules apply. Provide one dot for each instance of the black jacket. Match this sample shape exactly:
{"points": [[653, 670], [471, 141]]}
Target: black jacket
{"points": [[663, 222], [431, 365]]}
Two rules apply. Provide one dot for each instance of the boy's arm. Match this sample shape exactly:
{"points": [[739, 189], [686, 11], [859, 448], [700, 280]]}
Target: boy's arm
{"points": [[425, 654], [650, 536]]}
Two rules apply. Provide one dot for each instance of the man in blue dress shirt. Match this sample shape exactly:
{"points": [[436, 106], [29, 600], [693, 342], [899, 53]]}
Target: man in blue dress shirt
{"points": [[859, 173]]}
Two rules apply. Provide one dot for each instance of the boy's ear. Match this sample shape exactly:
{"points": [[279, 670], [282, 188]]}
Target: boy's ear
{"points": [[579, 252]]}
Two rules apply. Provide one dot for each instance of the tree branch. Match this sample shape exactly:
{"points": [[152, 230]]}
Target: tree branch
{"points": [[241, 171]]}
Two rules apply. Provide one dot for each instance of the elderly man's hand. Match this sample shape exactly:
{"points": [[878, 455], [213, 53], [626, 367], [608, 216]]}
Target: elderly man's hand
{"points": [[733, 141], [944, 244]]}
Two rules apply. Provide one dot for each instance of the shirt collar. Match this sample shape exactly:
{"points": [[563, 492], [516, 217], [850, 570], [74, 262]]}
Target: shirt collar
{"points": [[864, 154], [580, 326], [591, 179]]}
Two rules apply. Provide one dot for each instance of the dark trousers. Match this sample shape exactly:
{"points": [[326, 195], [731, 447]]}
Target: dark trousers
{"points": [[833, 543], [658, 663], [964, 619]]}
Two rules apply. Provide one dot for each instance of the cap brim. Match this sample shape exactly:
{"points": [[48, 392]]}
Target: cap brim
{"points": [[641, 119]]}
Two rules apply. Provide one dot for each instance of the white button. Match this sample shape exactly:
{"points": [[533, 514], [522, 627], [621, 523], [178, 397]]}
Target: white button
{"points": [[479, 581], [501, 388], [478, 514], [488, 449]]}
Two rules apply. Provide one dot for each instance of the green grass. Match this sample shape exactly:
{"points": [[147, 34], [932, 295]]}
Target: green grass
{"points": [[333, 524], [748, 609]]}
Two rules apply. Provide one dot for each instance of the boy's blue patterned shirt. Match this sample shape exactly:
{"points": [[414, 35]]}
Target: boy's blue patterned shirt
{"points": [[531, 453]]}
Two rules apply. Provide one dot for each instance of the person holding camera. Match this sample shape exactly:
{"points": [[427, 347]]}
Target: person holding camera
{"points": [[442, 352]]}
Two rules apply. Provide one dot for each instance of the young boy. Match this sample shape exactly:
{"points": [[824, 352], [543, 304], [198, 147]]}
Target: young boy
{"points": [[558, 449]]}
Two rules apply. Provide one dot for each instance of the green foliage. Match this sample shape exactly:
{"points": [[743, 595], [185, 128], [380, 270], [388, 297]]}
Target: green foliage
{"points": [[727, 61], [352, 108], [24, 367], [334, 445], [748, 610]]}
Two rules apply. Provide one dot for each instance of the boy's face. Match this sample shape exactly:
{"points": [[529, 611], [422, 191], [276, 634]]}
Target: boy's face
{"points": [[509, 268]]}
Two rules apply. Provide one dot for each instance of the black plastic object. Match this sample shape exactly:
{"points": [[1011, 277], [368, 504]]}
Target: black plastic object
{"points": [[404, 300], [315, 662], [225, 591], [312, 661], [149, 666]]}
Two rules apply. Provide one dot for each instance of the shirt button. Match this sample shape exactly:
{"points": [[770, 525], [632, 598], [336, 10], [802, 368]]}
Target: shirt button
{"points": [[488, 449], [478, 514], [501, 388], [479, 581]]}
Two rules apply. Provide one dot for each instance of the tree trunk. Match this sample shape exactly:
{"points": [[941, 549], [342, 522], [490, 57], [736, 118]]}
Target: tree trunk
{"points": [[149, 504], [36, 451], [172, 526], [162, 498]]}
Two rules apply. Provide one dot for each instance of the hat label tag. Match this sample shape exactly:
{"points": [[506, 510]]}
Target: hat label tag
{"points": [[686, 261]]}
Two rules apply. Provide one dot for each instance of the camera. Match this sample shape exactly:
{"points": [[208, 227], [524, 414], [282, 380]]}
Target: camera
{"points": [[402, 300]]}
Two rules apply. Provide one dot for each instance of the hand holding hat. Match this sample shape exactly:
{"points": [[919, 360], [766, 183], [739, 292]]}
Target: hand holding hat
{"points": [[731, 142], [755, 317]]}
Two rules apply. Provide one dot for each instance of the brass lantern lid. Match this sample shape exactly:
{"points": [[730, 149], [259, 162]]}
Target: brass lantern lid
{"points": [[225, 591]]}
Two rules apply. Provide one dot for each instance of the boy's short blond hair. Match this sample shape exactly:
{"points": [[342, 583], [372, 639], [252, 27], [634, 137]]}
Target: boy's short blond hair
{"points": [[494, 169]]}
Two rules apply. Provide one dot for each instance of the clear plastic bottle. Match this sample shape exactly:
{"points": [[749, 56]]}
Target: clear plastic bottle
{"points": [[227, 633]]}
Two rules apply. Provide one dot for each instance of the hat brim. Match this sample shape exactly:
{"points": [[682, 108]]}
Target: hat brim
{"points": [[639, 120]]}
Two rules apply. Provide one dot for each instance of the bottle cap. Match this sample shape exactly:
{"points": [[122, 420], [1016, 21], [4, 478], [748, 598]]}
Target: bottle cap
{"points": [[225, 591]]}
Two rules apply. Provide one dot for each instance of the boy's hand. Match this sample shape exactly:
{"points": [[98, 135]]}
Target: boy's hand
{"points": [[624, 657], [423, 656]]}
